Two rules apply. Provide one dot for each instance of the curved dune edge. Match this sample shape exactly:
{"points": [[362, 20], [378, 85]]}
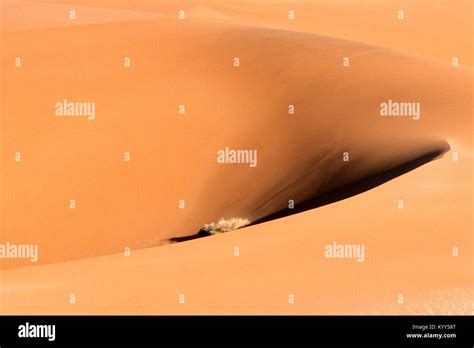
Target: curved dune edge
{"points": [[351, 115], [347, 190], [359, 185], [371, 22], [283, 257]]}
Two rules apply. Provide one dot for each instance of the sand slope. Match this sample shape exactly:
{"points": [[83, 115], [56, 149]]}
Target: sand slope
{"points": [[174, 157], [436, 29], [135, 204], [285, 257]]}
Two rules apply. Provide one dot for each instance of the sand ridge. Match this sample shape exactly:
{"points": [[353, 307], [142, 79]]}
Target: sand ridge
{"points": [[180, 101]]}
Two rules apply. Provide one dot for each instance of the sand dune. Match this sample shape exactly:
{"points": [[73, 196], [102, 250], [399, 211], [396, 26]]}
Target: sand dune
{"points": [[284, 257], [174, 156], [27, 16], [301, 158], [431, 29]]}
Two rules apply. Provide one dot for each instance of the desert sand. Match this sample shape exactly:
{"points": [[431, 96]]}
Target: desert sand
{"points": [[172, 184]]}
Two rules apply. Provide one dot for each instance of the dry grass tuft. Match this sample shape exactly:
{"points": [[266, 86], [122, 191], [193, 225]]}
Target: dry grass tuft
{"points": [[225, 225]]}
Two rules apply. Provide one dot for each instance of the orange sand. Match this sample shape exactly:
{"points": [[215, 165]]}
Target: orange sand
{"points": [[135, 204]]}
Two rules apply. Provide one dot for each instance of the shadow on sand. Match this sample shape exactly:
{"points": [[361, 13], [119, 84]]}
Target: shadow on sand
{"points": [[344, 192]]}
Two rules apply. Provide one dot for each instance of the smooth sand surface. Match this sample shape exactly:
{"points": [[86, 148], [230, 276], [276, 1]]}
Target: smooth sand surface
{"points": [[134, 204], [285, 257]]}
